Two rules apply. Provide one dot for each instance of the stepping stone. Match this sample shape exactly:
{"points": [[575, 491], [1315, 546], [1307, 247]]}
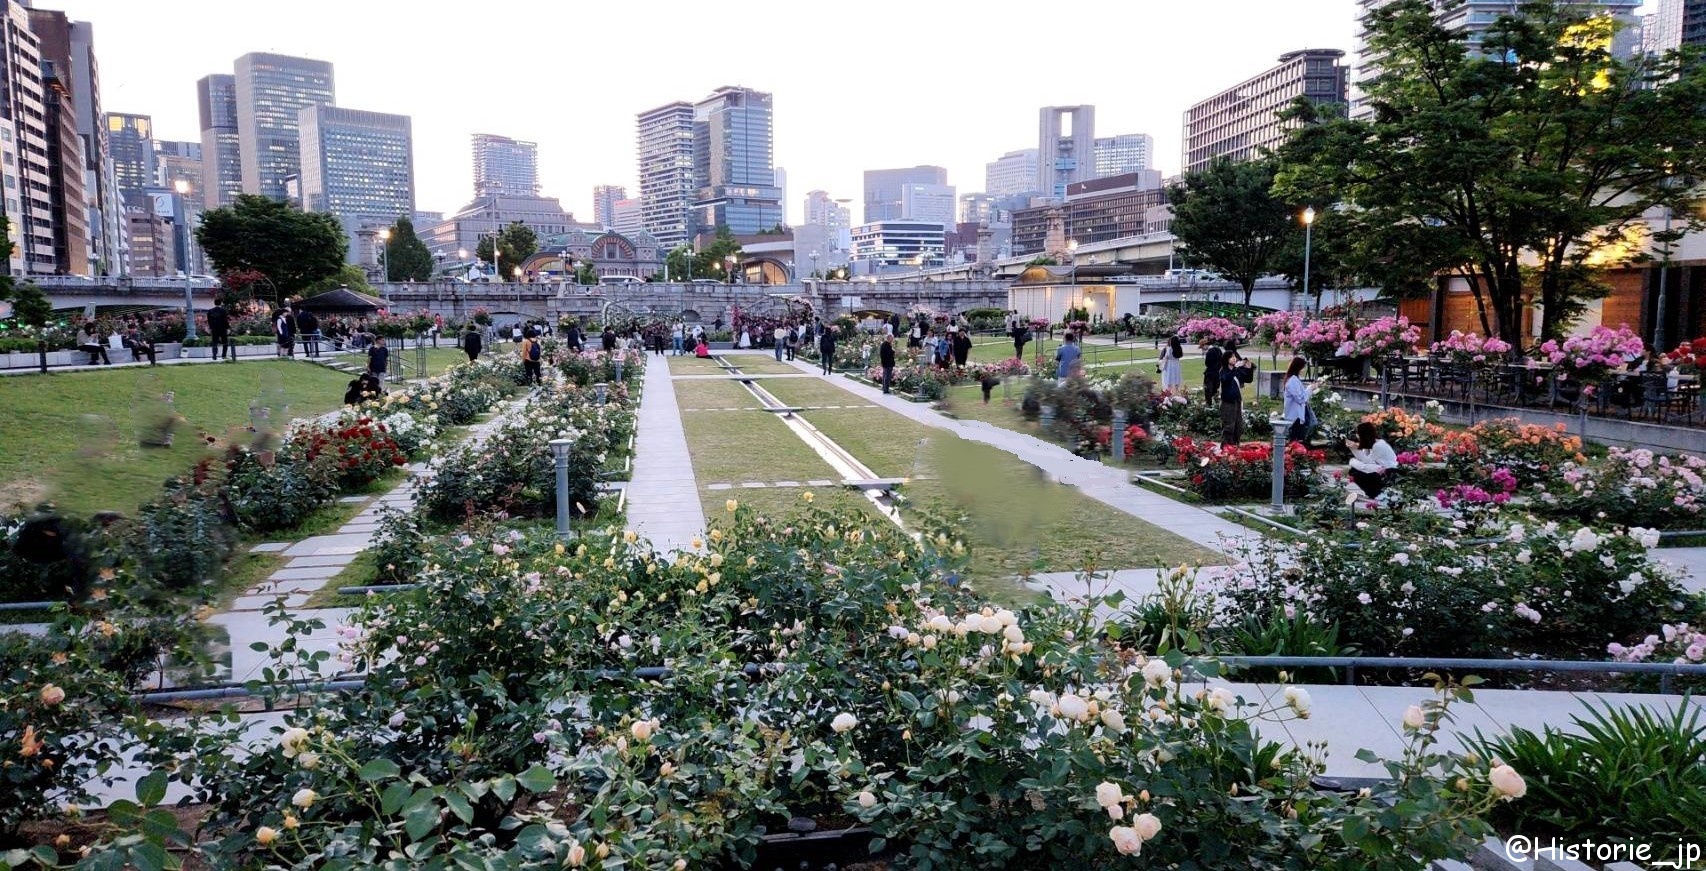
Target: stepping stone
{"points": [[353, 499], [336, 550], [754, 485], [286, 587], [820, 483], [719, 486], [883, 484], [307, 573], [786, 484], [337, 560], [270, 547]]}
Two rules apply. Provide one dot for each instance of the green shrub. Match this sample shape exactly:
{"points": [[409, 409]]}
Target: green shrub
{"points": [[271, 491], [181, 540]]}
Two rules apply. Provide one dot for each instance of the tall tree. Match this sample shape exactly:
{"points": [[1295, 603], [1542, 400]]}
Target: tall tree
{"points": [[1227, 218], [1523, 165], [713, 260], [30, 306], [292, 248], [406, 256], [516, 243], [680, 263]]}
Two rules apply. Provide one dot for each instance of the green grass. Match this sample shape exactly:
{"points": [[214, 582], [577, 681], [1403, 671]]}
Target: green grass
{"points": [[994, 351], [73, 437], [758, 364], [686, 365], [361, 572], [1018, 522], [245, 570]]}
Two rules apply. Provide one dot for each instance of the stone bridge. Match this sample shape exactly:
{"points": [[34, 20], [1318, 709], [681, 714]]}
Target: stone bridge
{"points": [[703, 302]]}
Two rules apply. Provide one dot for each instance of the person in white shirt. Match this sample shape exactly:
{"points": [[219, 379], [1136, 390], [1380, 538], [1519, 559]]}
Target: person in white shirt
{"points": [[1297, 402], [780, 337], [1371, 459]]}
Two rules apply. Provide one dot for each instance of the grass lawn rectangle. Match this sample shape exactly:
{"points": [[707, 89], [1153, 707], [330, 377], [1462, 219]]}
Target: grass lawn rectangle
{"points": [[689, 365], [73, 437], [734, 447], [759, 364], [1018, 521]]}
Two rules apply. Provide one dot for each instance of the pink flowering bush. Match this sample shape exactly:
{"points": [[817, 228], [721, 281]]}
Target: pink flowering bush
{"points": [[1270, 325], [1591, 357], [1387, 337], [1317, 339], [1218, 331], [1471, 349], [1678, 643], [1635, 487]]}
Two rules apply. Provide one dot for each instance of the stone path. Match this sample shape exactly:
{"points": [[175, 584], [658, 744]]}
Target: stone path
{"points": [[662, 494]]}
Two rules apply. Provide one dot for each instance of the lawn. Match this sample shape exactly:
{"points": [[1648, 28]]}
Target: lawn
{"points": [[1018, 521], [73, 437], [994, 351]]}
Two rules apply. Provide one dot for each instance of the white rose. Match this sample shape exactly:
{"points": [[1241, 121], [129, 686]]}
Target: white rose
{"points": [[940, 623], [1126, 840], [843, 722], [304, 798], [642, 729], [1147, 826], [1157, 673], [1014, 634], [867, 800], [51, 695], [308, 759], [1221, 699], [293, 741], [577, 855], [1507, 782], [929, 642], [1005, 617], [1414, 718], [1298, 698], [265, 835], [1115, 812], [1109, 794], [1073, 708], [1113, 720]]}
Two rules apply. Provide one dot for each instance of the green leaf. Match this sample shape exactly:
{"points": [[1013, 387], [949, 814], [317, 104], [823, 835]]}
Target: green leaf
{"points": [[1355, 830], [149, 856], [537, 779], [379, 769], [394, 796], [151, 789], [420, 817], [459, 806], [504, 788]]}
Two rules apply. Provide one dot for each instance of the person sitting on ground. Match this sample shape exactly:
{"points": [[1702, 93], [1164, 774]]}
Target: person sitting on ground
{"points": [[1372, 461], [702, 350], [362, 388]]}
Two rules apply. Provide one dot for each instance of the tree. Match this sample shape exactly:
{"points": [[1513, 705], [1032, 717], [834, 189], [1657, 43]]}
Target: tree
{"points": [[516, 243], [586, 274], [30, 306], [714, 259], [6, 283], [1227, 219], [680, 264], [292, 248], [406, 256], [1524, 165], [351, 276]]}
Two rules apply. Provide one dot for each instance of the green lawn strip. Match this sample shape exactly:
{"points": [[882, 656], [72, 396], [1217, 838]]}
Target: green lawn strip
{"points": [[688, 365], [754, 364], [243, 571], [361, 572], [73, 437], [713, 394], [1019, 522]]}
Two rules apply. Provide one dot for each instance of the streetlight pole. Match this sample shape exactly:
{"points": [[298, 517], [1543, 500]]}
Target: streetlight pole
{"points": [[183, 188], [1308, 229], [385, 254], [1664, 274], [814, 256]]}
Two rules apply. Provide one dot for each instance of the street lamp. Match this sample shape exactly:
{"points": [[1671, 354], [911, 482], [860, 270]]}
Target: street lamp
{"points": [[730, 260], [385, 254], [1308, 231], [183, 188], [814, 256], [1664, 274]]}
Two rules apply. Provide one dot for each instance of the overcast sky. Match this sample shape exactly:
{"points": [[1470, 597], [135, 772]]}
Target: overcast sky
{"points": [[857, 86]]}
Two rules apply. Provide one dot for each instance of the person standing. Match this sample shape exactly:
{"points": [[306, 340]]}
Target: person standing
{"points": [[308, 327], [284, 329], [532, 360], [962, 348], [1235, 372], [378, 359], [1021, 336], [1172, 366], [471, 343], [826, 348], [1213, 358], [219, 331], [573, 337], [1297, 402], [780, 337], [885, 357], [678, 338], [1067, 357], [607, 339]]}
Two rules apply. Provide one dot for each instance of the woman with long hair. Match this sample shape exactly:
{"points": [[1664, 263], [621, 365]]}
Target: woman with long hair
{"points": [[1171, 366], [1371, 459], [1297, 402]]}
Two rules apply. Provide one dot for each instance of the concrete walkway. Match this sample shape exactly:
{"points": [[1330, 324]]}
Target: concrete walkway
{"points": [[662, 495]]}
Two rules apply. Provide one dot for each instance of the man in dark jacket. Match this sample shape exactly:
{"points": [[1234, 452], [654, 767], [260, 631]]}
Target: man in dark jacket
{"points": [[1212, 358], [962, 348], [826, 348], [885, 356], [608, 339], [308, 327], [573, 337], [471, 343], [378, 359], [219, 330]]}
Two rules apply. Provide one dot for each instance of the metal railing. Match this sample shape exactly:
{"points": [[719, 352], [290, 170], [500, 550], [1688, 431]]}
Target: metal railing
{"points": [[1666, 671]]}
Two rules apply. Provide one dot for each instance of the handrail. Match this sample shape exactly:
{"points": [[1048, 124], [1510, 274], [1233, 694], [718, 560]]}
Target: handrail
{"points": [[1665, 670]]}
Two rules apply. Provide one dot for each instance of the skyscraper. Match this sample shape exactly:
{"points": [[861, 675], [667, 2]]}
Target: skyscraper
{"points": [[1011, 174], [733, 162], [272, 90], [23, 116], [604, 199], [822, 210], [883, 190], [626, 218], [221, 158], [665, 146], [174, 161], [357, 165], [131, 139], [505, 166], [106, 211], [1694, 22], [1243, 121], [67, 59], [929, 202], [1127, 152], [1066, 147]]}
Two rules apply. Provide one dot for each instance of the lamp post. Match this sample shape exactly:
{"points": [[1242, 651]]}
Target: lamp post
{"points": [[560, 457], [730, 260], [385, 254], [183, 189], [1664, 273], [814, 256], [1308, 229]]}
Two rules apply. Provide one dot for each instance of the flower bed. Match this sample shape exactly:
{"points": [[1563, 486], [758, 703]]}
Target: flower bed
{"points": [[1386, 337], [360, 448], [1635, 487], [1219, 473], [1536, 455], [1318, 340], [1084, 407], [927, 382], [1591, 357], [1470, 349], [1217, 331]]}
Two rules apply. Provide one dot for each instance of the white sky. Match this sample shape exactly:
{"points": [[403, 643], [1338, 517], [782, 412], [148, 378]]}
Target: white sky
{"points": [[857, 85]]}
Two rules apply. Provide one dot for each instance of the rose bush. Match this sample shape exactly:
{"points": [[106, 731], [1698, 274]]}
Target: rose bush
{"points": [[1219, 473]]}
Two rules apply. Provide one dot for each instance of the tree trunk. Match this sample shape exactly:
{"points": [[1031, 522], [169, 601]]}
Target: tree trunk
{"points": [[1249, 291]]}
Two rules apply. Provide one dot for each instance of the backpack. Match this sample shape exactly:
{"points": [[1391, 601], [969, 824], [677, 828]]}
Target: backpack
{"points": [[533, 352]]}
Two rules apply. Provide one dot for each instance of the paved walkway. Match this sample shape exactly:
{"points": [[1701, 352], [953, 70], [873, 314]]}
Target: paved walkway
{"points": [[662, 495]]}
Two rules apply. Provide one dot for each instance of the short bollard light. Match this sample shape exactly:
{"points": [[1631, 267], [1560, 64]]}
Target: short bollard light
{"points": [[1047, 416], [1116, 435], [560, 456], [618, 368], [601, 389], [1280, 425]]}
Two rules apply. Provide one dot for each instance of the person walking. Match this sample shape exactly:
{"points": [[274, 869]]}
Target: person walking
{"points": [[90, 343], [573, 337], [885, 357], [532, 360], [1235, 372], [284, 330], [1021, 337], [607, 339], [962, 348], [378, 359], [1213, 358], [1297, 402], [826, 348], [1066, 359], [471, 343], [915, 337], [1172, 366], [219, 331], [780, 337]]}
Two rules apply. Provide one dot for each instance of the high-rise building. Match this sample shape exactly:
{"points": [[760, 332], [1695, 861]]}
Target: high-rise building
{"points": [[978, 208], [1242, 122], [734, 162], [1066, 147], [883, 189], [626, 217], [505, 167], [175, 161], [1694, 22], [131, 140], [272, 90], [1127, 152], [151, 238], [106, 210], [781, 176], [1012, 174], [929, 202], [357, 165], [665, 146], [222, 161], [880, 245], [822, 210], [70, 86], [28, 176], [604, 199], [458, 235], [1475, 18]]}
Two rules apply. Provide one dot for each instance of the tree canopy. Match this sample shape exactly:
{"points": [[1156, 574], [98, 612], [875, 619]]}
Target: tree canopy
{"points": [[406, 256], [1524, 166], [516, 243], [292, 248], [1227, 219]]}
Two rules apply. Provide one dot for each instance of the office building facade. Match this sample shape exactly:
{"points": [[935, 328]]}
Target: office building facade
{"points": [[604, 200], [929, 202], [221, 153], [1066, 147], [456, 237], [505, 167], [1012, 174], [1243, 122], [71, 85], [106, 210], [664, 143], [883, 187], [357, 165], [70, 225], [28, 178], [1127, 152], [882, 245], [734, 162], [823, 210], [272, 90], [1100, 210], [131, 140], [627, 218]]}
